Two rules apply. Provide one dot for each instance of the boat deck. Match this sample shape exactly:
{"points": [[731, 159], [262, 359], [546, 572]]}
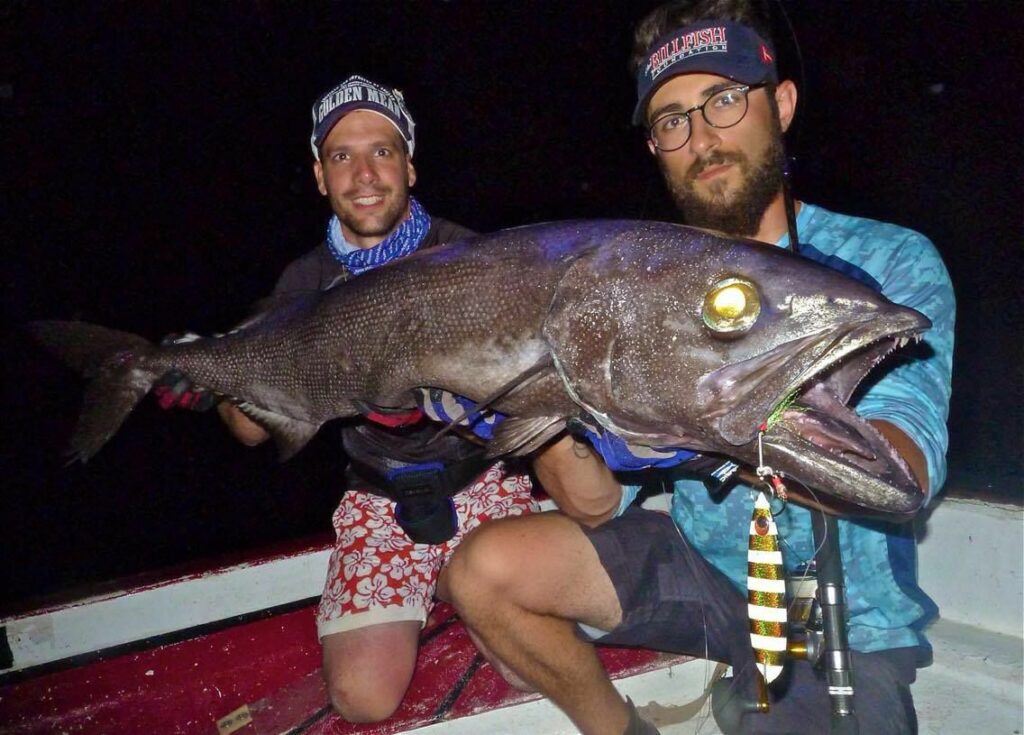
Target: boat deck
{"points": [[202, 654], [974, 685]]}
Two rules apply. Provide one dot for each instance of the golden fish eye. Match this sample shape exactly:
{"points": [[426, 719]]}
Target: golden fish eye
{"points": [[732, 305]]}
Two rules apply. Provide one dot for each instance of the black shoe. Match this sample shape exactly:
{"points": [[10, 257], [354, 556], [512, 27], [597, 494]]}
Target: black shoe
{"points": [[637, 724]]}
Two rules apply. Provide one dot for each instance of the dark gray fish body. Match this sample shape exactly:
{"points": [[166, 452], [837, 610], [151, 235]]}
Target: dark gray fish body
{"points": [[666, 335]]}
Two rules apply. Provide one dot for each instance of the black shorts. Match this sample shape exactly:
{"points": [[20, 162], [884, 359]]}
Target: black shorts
{"points": [[672, 599]]}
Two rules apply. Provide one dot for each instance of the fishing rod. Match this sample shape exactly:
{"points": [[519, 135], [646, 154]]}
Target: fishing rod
{"points": [[822, 639]]}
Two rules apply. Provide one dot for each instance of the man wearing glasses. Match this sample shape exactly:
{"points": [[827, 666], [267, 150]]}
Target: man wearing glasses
{"points": [[715, 113]]}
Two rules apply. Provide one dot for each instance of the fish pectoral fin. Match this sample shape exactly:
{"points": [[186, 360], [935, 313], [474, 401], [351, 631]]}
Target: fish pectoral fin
{"points": [[520, 436], [290, 435]]}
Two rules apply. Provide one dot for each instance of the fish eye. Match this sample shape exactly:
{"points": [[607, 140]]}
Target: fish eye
{"points": [[732, 305]]}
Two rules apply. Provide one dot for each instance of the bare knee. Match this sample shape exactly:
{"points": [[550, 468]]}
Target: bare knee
{"points": [[486, 563], [542, 564], [368, 670], [356, 702]]}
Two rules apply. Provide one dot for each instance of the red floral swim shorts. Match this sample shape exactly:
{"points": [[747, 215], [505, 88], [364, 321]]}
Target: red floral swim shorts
{"points": [[377, 575]]}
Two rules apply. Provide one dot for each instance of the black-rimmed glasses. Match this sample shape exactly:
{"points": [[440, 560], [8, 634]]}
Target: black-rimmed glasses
{"points": [[723, 109]]}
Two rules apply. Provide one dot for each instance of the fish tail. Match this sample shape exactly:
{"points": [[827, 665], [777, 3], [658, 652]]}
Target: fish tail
{"points": [[766, 592], [118, 371]]}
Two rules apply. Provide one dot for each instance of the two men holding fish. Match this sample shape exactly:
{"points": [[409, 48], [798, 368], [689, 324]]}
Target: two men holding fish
{"points": [[539, 591], [636, 334]]}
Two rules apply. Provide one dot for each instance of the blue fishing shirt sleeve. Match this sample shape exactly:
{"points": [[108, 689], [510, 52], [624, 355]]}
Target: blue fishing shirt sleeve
{"points": [[911, 389]]}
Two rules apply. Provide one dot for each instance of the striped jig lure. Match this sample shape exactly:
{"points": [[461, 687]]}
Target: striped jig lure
{"points": [[766, 592]]}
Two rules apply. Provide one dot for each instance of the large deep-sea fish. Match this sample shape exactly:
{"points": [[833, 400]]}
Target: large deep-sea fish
{"points": [[665, 335]]}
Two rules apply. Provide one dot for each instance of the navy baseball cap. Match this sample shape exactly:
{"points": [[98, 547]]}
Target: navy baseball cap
{"points": [[721, 47], [359, 93]]}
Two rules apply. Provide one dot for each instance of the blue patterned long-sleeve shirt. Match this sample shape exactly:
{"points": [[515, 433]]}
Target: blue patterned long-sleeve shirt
{"points": [[887, 608]]}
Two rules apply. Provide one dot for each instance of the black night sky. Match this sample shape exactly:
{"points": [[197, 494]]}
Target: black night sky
{"points": [[157, 178]]}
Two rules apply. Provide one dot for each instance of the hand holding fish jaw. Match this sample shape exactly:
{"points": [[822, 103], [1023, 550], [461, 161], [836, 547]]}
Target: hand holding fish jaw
{"points": [[627, 313]]}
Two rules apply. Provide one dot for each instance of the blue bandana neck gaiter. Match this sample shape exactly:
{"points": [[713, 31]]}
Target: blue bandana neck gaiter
{"points": [[398, 244]]}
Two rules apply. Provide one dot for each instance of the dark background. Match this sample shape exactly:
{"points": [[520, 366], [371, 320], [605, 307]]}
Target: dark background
{"points": [[156, 175]]}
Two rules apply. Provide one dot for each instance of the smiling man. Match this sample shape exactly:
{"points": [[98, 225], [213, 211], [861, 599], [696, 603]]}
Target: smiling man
{"points": [[715, 111], [407, 506], [365, 173]]}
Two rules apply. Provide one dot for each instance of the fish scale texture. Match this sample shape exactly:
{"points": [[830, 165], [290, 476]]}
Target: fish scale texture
{"points": [[619, 307]]}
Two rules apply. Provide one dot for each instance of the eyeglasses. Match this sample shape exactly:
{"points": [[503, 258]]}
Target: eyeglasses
{"points": [[723, 109]]}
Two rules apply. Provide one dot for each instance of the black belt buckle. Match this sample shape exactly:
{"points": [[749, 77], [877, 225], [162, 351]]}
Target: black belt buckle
{"points": [[415, 484]]}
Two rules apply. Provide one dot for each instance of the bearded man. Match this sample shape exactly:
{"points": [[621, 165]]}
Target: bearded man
{"points": [[715, 112]]}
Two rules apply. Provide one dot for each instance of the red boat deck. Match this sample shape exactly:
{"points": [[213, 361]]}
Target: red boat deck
{"points": [[260, 677]]}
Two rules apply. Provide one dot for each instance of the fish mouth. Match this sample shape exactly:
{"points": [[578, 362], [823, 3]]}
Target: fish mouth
{"points": [[814, 437], [808, 432], [742, 397]]}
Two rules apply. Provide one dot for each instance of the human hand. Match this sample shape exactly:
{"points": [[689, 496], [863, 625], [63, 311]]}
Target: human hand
{"points": [[176, 390]]}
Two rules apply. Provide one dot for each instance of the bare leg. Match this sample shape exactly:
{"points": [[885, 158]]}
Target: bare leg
{"points": [[368, 669], [507, 674], [521, 584]]}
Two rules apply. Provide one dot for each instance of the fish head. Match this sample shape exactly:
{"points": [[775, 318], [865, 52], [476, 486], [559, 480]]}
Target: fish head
{"points": [[671, 336], [787, 404], [777, 323]]}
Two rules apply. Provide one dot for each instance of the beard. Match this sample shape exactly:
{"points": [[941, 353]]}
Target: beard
{"points": [[374, 225], [738, 213]]}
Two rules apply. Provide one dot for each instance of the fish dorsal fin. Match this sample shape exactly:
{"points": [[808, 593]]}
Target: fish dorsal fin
{"points": [[289, 434], [520, 436]]}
